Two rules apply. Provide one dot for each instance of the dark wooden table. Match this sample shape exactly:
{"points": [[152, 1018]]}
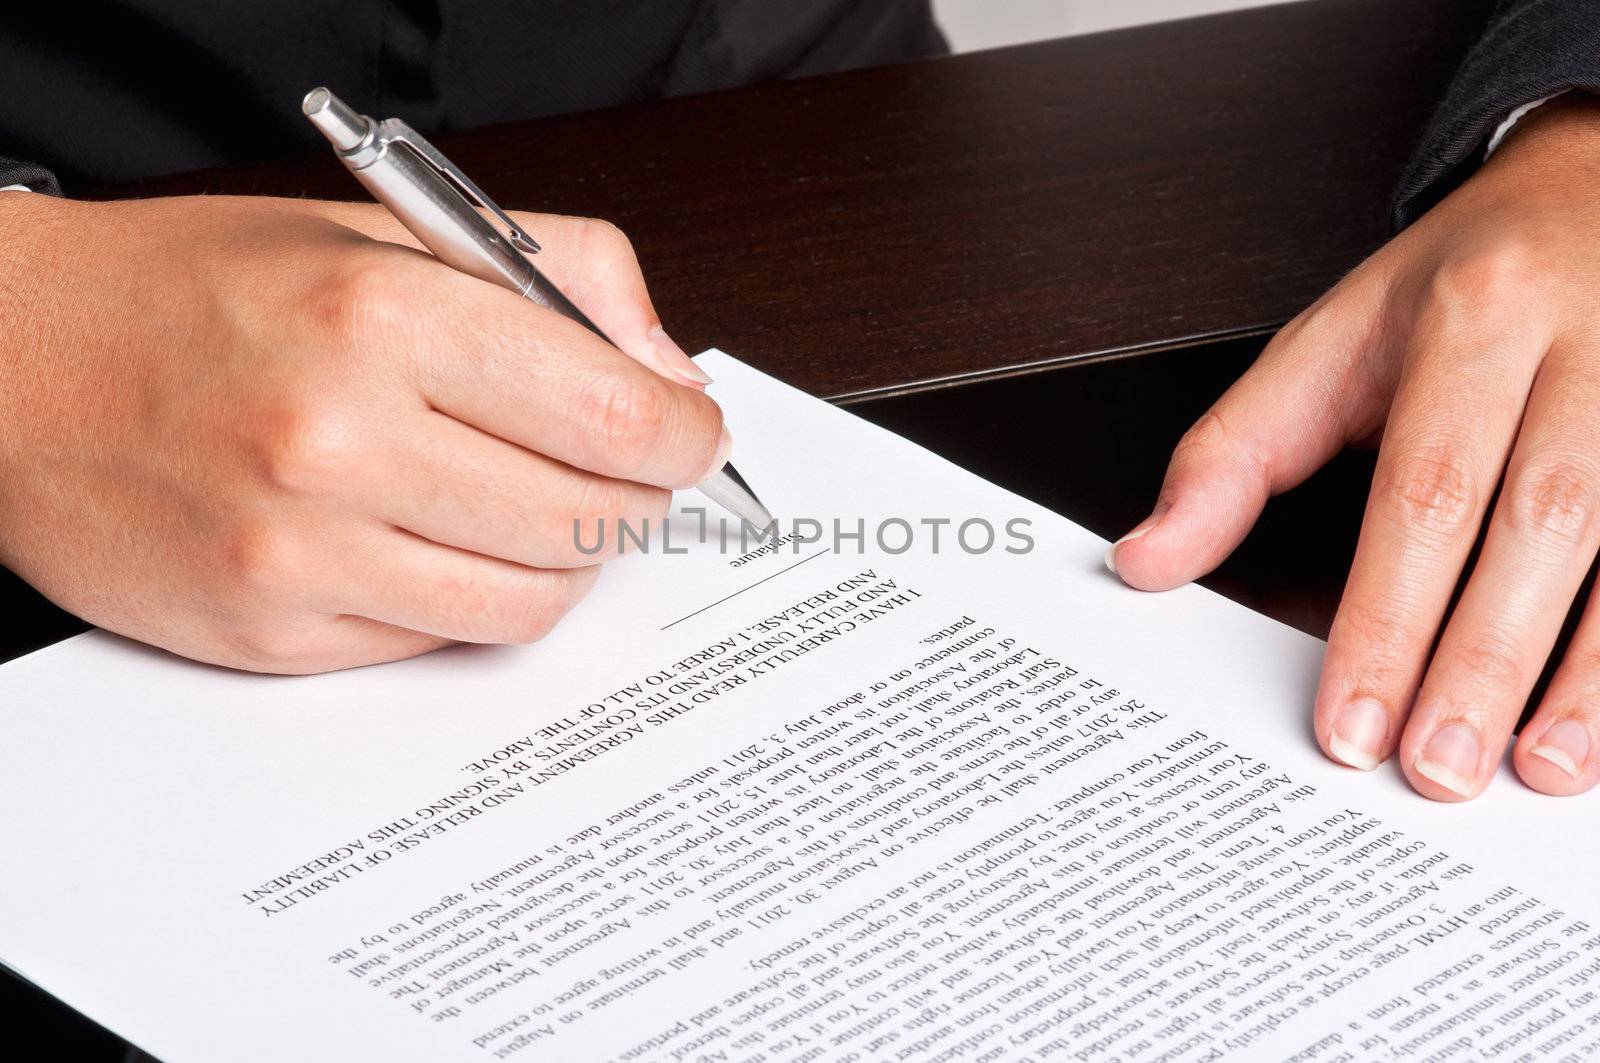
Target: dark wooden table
{"points": [[1020, 209], [878, 237]]}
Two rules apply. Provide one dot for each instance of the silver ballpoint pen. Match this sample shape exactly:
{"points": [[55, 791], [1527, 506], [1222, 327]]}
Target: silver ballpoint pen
{"points": [[440, 205]]}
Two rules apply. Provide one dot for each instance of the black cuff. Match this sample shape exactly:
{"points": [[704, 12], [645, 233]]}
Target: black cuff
{"points": [[15, 172], [1530, 49]]}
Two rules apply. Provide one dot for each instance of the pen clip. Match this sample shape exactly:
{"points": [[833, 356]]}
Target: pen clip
{"points": [[392, 130]]}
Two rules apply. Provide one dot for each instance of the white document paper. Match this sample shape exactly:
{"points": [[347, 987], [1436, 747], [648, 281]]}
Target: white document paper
{"points": [[826, 802]]}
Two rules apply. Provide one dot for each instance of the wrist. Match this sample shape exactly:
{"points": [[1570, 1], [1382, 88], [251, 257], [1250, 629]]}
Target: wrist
{"points": [[1563, 130], [28, 220]]}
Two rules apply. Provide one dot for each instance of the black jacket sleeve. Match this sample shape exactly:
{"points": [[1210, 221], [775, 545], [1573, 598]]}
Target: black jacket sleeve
{"points": [[1529, 50], [16, 172]]}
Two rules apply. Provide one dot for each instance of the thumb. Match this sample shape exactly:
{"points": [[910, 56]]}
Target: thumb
{"points": [[1311, 391]]}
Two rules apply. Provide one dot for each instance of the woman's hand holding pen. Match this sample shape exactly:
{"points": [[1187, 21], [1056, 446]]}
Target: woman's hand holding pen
{"points": [[1470, 346], [275, 435]]}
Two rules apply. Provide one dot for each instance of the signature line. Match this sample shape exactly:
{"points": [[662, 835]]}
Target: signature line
{"points": [[757, 583]]}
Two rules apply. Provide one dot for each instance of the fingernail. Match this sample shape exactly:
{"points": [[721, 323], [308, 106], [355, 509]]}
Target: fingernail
{"points": [[673, 358], [1566, 745], [724, 451], [1111, 552], [1451, 758], [1359, 733]]}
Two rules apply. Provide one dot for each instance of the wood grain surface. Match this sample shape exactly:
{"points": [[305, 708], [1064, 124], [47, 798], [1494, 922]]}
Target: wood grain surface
{"points": [[909, 226]]}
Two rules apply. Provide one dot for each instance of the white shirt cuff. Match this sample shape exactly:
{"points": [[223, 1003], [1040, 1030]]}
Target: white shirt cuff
{"points": [[1511, 120]]}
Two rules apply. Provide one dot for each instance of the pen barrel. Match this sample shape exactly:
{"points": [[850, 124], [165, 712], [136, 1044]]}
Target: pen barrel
{"points": [[449, 226], [407, 175], [456, 233]]}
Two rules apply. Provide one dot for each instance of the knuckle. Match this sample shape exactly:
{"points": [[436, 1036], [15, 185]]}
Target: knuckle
{"points": [[262, 555], [600, 237], [1490, 659], [1486, 278], [1432, 491], [1379, 632], [1202, 436], [305, 446], [1556, 501], [601, 499], [517, 613], [609, 517], [1213, 451], [530, 616], [1369, 622], [593, 517], [364, 295], [1313, 322], [1211, 439], [630, 416], [1584, 661]]}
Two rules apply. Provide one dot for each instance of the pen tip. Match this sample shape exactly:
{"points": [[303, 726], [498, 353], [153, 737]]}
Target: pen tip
{"points": [[763, 516], [728, 489]]}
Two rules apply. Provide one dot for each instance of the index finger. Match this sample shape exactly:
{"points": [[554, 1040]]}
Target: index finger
{"points": [[593, 263], [492, 359], [590, 260]]}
